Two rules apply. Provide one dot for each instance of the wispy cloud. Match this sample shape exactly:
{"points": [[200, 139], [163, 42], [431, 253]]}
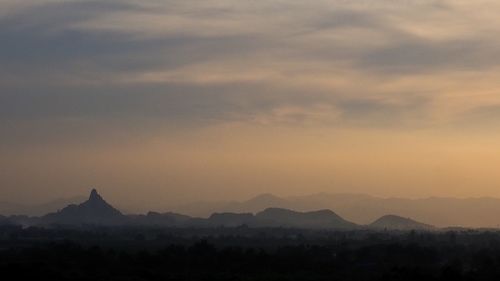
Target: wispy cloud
{"points": [[99, 70]]}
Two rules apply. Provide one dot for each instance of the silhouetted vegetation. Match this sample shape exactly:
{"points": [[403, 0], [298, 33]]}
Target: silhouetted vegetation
{"points": [[241, 253]]}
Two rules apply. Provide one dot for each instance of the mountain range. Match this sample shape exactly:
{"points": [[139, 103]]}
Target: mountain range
{"points": [[364, 209], [358, 208], [96, 211], [400, 223], [93, 211]]}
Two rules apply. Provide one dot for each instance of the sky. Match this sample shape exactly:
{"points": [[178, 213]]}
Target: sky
{"points": [[161, 102]]}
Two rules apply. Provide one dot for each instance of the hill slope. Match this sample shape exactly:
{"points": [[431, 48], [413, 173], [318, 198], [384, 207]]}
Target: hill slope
{"points": [[93, 211], [364, 209], [393, 222], [278, 217]]}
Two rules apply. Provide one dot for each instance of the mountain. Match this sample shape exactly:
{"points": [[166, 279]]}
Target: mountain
{"points": [[253, 205], [278, 217], [393, 222], [349, 208], [363, 209], [345, 204], [263, 201], [159, 219], [93, 211]]}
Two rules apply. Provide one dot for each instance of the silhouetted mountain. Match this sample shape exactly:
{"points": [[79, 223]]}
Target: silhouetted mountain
{"points": [[96, 211], [263, 201], [158, 219], [392, 222], [363, 209], [276, 217], [93, 211], [272, 217], [253, 205], [316, 219]]}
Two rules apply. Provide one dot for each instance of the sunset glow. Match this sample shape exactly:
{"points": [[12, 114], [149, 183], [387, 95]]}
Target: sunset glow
{"points": [[223, 99]]}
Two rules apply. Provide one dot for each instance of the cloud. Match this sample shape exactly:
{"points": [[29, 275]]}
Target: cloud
{"points": [[352, 63], [249, 94]]}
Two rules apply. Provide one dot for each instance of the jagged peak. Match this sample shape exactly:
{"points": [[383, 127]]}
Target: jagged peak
{"points": [[94, 195]]}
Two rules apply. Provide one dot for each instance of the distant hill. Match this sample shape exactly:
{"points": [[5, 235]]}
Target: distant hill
{"points": [[363, 209], [96, 211], [93, 211], [393, 222], [278, 217], [316, 219], [253, 205], [160, 219], [307, 213]]}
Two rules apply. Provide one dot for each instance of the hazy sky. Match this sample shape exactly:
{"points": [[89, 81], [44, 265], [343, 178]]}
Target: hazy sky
{"points": [[170, 101]]}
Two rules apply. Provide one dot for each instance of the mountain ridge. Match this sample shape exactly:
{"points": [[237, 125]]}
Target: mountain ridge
{"points": [[395, 222], [95, 210], [313, 219], [473, 212]]}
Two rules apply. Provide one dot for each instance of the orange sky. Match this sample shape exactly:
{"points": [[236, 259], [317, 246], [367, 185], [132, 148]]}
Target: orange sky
{"points": [[160, 102]]}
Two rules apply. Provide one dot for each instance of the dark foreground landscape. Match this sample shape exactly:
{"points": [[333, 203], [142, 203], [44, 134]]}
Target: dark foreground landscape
{"points": [[95, 241], [242, 253]]}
